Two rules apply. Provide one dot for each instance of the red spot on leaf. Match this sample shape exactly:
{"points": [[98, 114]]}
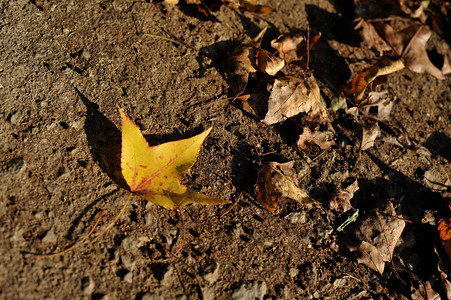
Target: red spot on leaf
{"points": [[143, 166]]}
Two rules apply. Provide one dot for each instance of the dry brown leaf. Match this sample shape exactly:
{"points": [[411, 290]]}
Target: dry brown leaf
{"points": [[340, 200], [277, 180], [368, 255], [308, 138], [375, 237], [291, 96], [242, 63], [369, 135], [268, 63], [370, 37]]}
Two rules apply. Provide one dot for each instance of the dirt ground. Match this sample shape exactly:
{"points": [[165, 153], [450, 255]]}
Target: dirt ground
{"points": [[64, 65]]}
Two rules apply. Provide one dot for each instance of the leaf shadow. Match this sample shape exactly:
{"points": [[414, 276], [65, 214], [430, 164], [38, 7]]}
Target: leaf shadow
{"points": [[439, 144], [323, 57], [104, 140]]}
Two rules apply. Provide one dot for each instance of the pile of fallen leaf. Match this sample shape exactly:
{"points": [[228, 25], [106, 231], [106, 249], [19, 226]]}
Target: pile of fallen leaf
{"points": [[276, 85]]}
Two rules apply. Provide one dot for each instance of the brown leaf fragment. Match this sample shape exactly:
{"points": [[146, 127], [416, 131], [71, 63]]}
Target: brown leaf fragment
{"points": [[268, 63], [291, 96], [340, 200], [242, 63], [277, 180], [251, 6], [369, 135], [322, 139], [375, 237]]}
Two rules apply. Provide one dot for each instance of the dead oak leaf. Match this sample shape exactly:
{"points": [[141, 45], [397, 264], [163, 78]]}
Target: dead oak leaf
{"points": [[277, 180], [154, 173]]}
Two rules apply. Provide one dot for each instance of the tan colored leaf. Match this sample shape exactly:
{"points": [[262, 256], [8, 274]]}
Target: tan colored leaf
{"points": [[340, 200], [288, 46], [369, 135], [308, 138], [292, 46], [277, 180], [291, 96], [268, 63]]}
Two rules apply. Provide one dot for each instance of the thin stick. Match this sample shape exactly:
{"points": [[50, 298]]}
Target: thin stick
{"points": [[74, 245], [112, 222], [184, 232]]}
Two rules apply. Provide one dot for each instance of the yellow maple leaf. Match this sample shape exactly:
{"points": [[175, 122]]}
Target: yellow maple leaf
{"points": [[154, 173]]}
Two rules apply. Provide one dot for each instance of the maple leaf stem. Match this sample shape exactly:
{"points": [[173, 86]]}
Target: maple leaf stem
{"points": [[74, 245], [112, 222]]}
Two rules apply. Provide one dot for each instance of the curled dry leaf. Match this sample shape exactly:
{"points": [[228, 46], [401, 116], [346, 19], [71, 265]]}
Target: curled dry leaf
{"points": [[322, 139], [277, 180], [408, 44], [268, 63], [369, 135], [374, 238], [291, 96], [340, 200], [154, 173], [357, 86]]}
